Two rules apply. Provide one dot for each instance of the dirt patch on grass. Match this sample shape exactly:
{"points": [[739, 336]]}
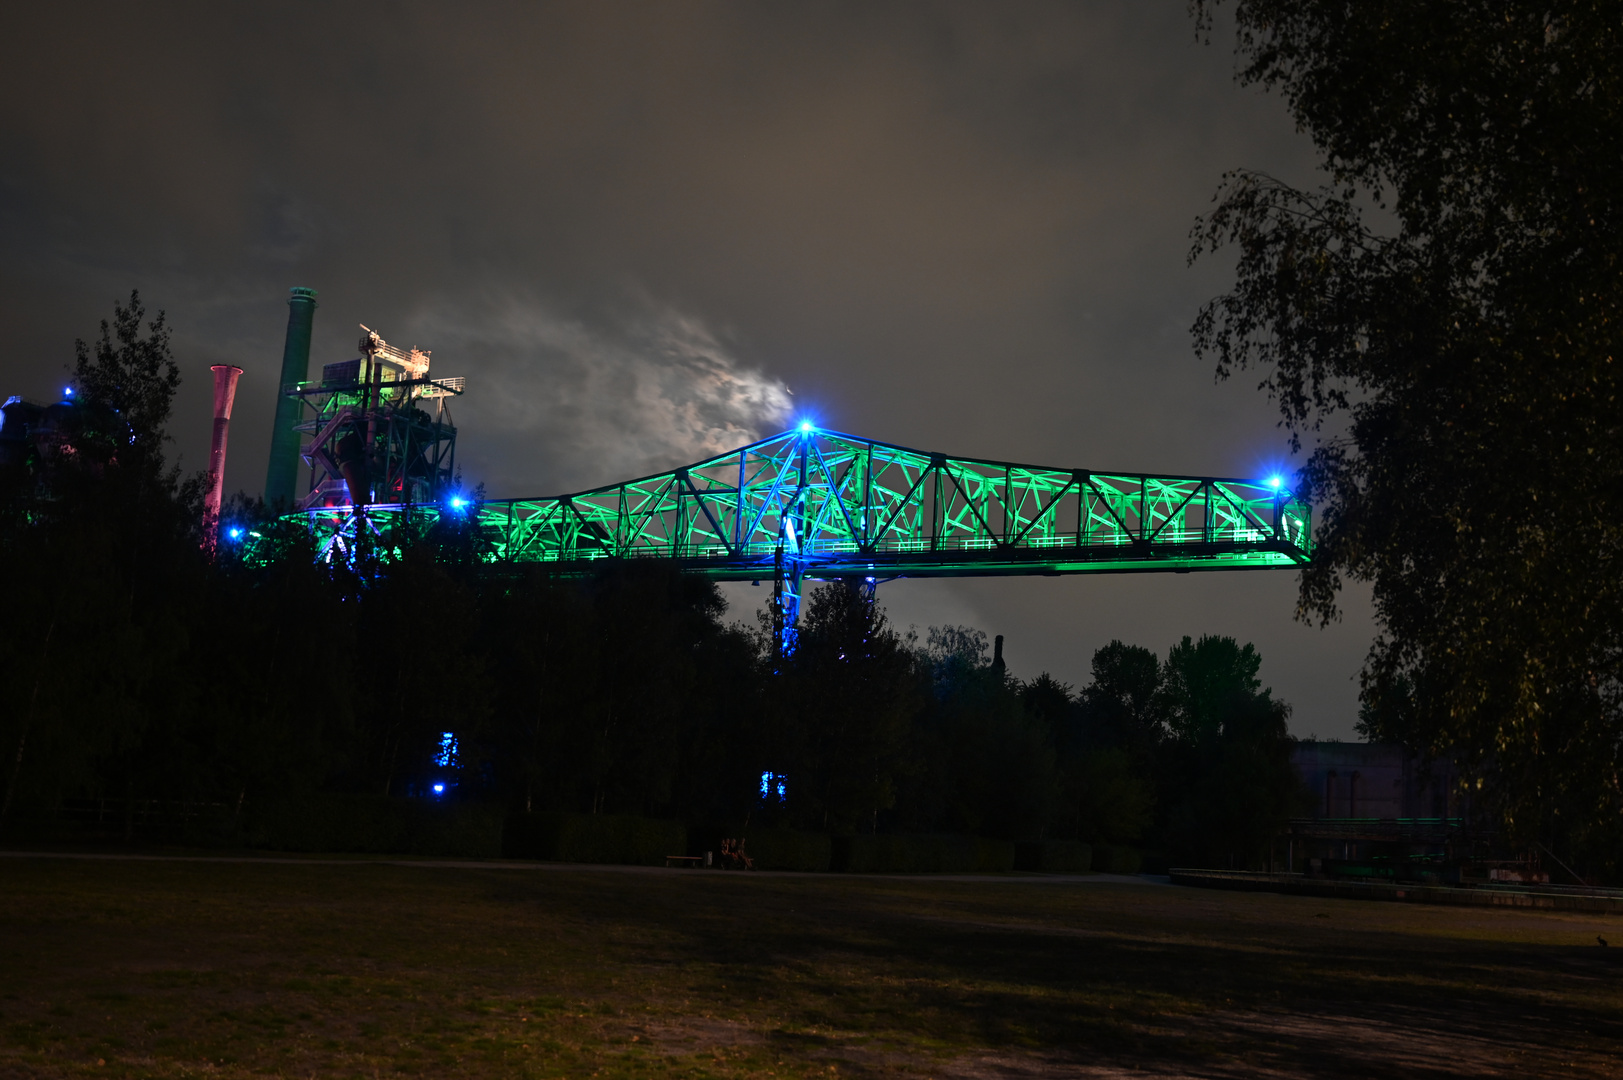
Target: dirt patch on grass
{"points": [[1218, 1047], [698, 1035], [1267, 1045]]}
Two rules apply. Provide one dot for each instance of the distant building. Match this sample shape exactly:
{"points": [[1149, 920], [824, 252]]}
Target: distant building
{"points": [[1377, 812], [1374, 780], [34, 436]]}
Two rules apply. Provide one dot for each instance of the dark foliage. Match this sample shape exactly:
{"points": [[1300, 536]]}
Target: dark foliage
{"points": [[840, 710], [101, 576], [1443, 320]]}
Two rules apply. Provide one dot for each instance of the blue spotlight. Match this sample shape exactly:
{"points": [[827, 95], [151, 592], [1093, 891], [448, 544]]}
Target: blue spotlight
{"points": [[234, 532], [807, 426], [1274, 482], [67, 391], [439, 789], [458, 502]]}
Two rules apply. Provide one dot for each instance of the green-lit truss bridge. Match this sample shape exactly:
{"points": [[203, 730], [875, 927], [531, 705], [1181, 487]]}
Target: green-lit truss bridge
{"points": [[819, 504]]}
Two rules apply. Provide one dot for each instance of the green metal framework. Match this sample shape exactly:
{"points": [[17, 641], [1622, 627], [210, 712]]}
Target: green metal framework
{"points": [[820, 504]]}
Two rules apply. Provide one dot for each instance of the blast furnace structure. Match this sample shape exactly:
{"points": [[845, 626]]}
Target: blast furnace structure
{"points": [[378, 427]]}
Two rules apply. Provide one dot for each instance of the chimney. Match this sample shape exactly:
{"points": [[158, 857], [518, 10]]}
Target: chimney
{"points": [[225, 393], [282, 477], [997, 656]]}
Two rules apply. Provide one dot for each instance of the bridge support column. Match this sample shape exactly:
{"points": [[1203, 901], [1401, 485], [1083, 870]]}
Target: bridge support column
{"points": [[786, 579]]}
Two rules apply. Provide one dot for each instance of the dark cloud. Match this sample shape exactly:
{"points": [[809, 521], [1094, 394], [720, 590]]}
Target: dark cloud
{"points": [[632, 226]]}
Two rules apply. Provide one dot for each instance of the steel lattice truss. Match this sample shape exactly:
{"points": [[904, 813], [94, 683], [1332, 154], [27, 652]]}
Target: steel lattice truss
{"points": [[824, 505]]}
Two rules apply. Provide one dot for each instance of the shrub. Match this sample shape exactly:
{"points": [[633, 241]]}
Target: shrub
{"points": [[1153, 862], [374, 824], [786, 849], [594, 838], [1116, 859], [927, 853], [1054, 856]]}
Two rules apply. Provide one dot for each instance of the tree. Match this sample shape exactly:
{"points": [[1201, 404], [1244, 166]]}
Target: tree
{"points": [[845, 700], [621, 693], [1442, 322], [1227, 779], [1109, 773], [997, 774], [651, 626], [281, 634], [101, 545], [1202, 680], [1241, 788], [545, 659], [126, 388], [1053, 705], [418, 668], [1124, 703], [1113, 801]]}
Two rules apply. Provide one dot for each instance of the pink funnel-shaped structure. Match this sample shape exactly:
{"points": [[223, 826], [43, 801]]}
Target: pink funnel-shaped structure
{"points": [[225, 393]]}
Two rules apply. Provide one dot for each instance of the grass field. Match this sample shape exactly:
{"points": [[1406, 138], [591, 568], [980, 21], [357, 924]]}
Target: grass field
{"points": [[366, 969]]}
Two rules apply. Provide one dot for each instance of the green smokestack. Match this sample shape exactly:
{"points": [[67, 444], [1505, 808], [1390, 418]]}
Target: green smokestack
{"points": [[282, 478]]}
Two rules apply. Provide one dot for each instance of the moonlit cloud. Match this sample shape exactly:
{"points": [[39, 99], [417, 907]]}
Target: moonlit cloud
{"points": [[562, 402]]}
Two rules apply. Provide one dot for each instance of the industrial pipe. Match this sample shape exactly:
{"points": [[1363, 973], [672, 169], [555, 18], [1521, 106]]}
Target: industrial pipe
{"points": [[352, 467], [225, 394], [282, 477]]}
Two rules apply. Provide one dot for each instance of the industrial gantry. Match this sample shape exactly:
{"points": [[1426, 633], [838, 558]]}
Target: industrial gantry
{"points": [[371, 438], [822, 505], [807, 504]]}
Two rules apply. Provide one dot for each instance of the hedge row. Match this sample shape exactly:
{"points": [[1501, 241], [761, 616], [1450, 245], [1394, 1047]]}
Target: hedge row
{"points": [[922, 853], [1054, 856], [375, 824], [785, 849], [1117, 859], [594, 838]]}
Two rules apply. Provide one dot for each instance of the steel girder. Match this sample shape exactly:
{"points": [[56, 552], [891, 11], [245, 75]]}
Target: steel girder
{"points": [[820, 504]]}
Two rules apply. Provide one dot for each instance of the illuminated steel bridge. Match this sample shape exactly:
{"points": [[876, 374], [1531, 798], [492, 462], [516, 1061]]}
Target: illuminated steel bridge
{"points": [[818, 504]]}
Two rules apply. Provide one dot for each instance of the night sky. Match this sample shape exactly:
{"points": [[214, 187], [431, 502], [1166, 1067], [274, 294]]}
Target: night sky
{"points": [[646, 232]]}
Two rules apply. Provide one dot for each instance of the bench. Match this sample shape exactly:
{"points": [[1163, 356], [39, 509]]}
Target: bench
{"points": [[684, 860]]}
